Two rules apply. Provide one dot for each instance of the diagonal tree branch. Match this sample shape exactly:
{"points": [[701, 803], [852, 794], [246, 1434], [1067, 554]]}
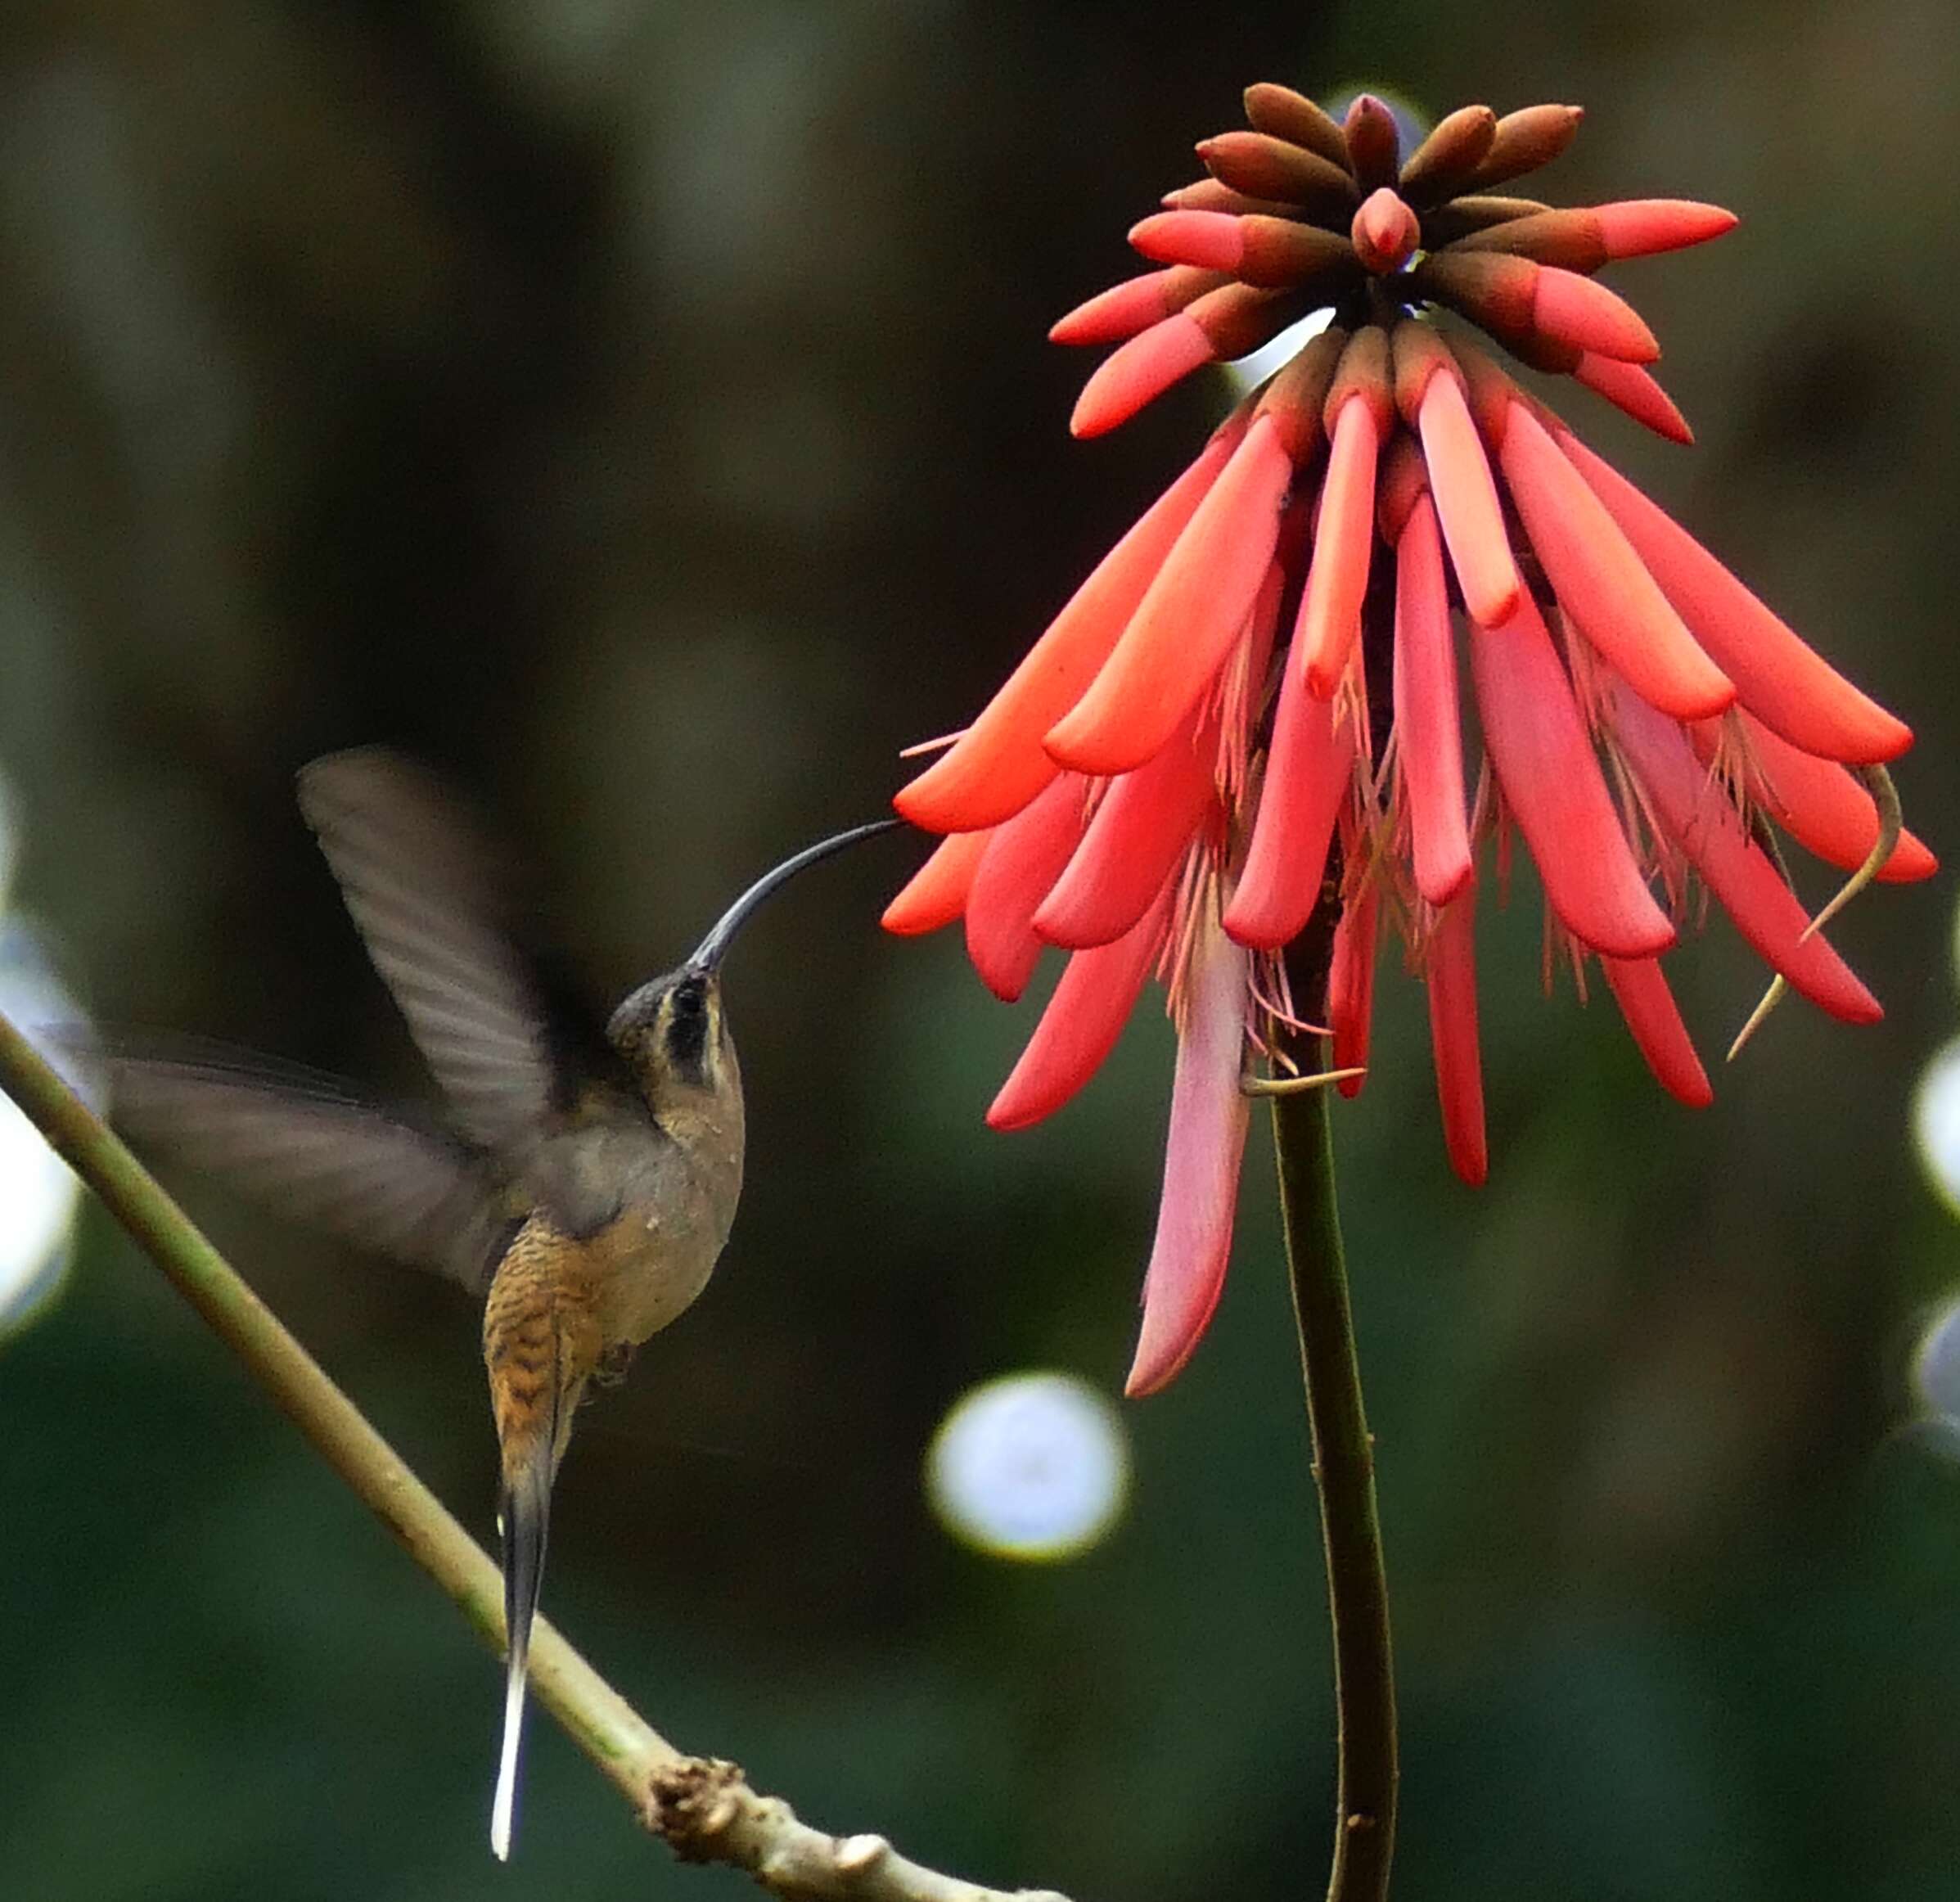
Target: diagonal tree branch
{"points": [[703, 1807]]}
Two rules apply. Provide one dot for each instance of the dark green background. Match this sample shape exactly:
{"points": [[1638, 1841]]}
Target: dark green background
{"points": [[641, 410]]}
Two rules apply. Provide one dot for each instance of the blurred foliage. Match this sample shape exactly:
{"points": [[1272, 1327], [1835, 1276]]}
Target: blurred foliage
{"points": [[641, 410]]}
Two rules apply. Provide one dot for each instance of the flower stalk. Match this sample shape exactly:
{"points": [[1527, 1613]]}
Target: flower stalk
{"points": [[1367, 1773]]}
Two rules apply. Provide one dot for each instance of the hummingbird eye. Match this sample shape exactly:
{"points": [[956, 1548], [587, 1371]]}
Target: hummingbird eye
{"points": [[684, 1030]]}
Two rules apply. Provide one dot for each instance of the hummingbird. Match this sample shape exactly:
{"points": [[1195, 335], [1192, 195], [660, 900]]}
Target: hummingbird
{"points": [[583, 1182]]}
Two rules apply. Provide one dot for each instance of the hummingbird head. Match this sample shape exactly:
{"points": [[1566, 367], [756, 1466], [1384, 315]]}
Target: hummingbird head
{"points": [[672, 1029]]}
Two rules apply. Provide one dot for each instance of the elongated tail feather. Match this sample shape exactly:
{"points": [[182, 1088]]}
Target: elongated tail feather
{"points": [[525, 1515]]}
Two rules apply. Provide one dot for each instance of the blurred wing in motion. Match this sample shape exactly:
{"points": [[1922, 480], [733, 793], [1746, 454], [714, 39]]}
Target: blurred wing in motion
{"points": [[423, 893], [302, 1149]]}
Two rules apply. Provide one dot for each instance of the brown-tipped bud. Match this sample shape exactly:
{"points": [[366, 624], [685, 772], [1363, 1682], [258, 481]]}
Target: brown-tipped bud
{"points": [[1284, 254], [1402, 482], [1451, 154], [1384, 233], [1523, 140], [1126, 309], [1239, 318], [1637, 228], [1292, 116], [1211, 241], [1276, 253], [1490, 391], [1363, 371], [1540, 352], [1491, 290], [1264, 167], [1138, 371], [1512, 297], [1215, 195], [1571, 239], [1374, 142], [1586, 237], [1417, 353], [1294, 397], [1444, 224]]}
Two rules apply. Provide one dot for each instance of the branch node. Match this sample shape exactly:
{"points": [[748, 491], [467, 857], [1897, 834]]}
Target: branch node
{"points": [[856, 1853], [691, 1804]]}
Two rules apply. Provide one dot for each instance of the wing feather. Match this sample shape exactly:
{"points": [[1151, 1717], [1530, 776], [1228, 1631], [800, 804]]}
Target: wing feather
{"points": [[423, 892], [306, 1149]]}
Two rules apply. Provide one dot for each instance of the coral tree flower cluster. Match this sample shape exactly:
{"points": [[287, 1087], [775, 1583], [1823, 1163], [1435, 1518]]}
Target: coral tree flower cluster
{"points": [[1252, 710]]}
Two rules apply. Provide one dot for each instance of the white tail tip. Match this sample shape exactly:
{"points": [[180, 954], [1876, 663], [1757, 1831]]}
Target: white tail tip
{"points": [[506, 1802]]}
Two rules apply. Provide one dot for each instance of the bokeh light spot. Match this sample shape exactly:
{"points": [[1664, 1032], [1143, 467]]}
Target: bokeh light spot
{"points": [[1031, 1466], [1936, 1122], [1936, 1364], [37, 1194], [1246, 373], [1412, 121]]}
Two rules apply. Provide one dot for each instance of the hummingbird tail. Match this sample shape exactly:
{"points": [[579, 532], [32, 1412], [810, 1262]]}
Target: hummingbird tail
{"points": [[523, 1512]]}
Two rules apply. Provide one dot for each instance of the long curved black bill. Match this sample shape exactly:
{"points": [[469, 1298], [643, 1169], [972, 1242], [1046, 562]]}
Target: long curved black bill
{"points": [[715, 947]]}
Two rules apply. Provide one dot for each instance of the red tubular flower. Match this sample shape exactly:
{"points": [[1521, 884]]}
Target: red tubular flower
{"points": [[1153, 790]]}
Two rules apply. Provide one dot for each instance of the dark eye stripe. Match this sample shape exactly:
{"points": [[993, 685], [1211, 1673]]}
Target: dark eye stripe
{"points": [[684, 1028]]}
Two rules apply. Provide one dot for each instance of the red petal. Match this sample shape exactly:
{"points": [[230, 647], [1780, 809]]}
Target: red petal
{"points": [[1344, 538], [1451, 977], [1552, 785], [1466, 502], [1819, 804], [1212, 240], [1599, 580], [1097, 992], [1187, 623], [1780, 679], [1648, 1006], [1122, 310], [937, 892], [1308, 769], [1000, 764], [1139, 372], [1629, 388], [1351, 986], [1426, 716], [1635, 227], [1022, 860], [1140, 832], [1575, 310], [1202, 1157], [1695, 811]]}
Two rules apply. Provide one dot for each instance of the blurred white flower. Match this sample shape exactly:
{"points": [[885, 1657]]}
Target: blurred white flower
{"points": [[1032, 1466]]}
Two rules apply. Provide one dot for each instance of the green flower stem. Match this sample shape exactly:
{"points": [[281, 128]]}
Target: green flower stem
{"points": [[701, 1806], [1343, 1469]]}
